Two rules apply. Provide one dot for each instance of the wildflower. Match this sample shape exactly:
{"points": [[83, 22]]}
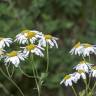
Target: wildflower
{"points": [[76, 77], [79, 74], [68, 80], [28, 35], [93, 71], [88, 49], [83, 49], [14, 57], [5, 42], [37, 50], [48, 39], [77, 49], [83, 65]]}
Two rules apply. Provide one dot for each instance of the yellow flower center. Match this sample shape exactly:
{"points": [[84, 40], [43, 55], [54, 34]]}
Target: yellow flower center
{"points": [[67, 77], [81, 71], [30, 34], [77, 45], [12, 54], [48, 37], [30, 47], [86, 45]]}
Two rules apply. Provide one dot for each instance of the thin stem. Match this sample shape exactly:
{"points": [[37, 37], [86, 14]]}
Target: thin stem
{"points": [[89, 58], [8, 71], [94, 86], [86, 88], [74, 91], [10, 79], [12, 71], [89, 75], [89, 83], [33, 68], [26, 73], [47, 52], [4, 89]]}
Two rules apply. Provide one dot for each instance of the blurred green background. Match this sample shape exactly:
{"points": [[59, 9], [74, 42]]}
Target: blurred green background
{"points": [[69, 20]]}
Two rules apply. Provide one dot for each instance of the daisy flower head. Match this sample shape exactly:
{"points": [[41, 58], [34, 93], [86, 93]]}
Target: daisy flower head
{"points": [[28, 35], [80, 74], [14, 57], [76, 76], [88, 49], [83, 49], [5, 42], [77, 49], [83, 65], [93, 71], [68, 80], [32, 48], [48, 39]]}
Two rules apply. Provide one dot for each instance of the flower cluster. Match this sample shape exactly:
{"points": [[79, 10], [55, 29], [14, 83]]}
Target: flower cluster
{"points": [[31, 42], [83, 49], [84, 67]]}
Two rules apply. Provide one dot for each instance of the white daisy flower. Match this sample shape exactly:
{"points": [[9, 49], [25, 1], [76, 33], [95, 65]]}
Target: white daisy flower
{"points": [[48, 39], [28, 35], [93, 71], [83, 49], [77, 49], [68, 80], [76, 77], [14, 57], [83, 65], [80, 74], [88, 49], [5, 42], [35, 49]]}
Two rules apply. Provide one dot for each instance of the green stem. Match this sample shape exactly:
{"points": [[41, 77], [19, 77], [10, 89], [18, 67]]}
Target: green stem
{"points": [[21, 70], [35, 73], [87, 87], [47, 52], [10, 79], [89, 76], [89, 58], [4, 89], [94, 87], [89, 83], [74, 91], [8, 71], [84, 79], [12, 71]]}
